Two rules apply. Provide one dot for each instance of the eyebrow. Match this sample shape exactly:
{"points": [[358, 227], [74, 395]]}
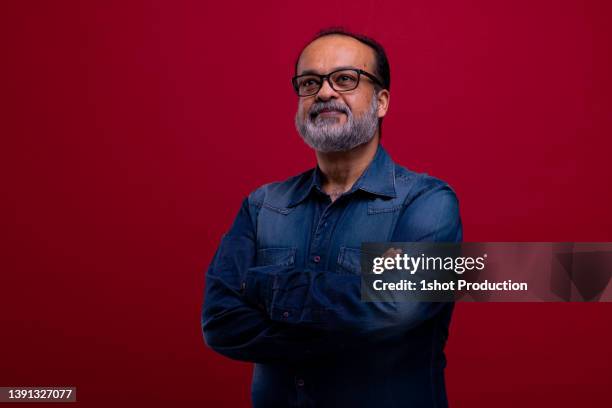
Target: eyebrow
{"points": [[314, 71]]}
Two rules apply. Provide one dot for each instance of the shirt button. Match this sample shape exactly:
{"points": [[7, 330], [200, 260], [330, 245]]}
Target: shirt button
{"points": [[285, 314], [300, 382], [316, 258]]}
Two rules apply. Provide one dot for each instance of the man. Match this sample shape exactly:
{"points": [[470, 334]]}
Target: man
{"points": [[283, 290]]}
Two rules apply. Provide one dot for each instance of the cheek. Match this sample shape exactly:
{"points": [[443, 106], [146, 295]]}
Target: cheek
{"points": [[303, 107], [358, 106]]}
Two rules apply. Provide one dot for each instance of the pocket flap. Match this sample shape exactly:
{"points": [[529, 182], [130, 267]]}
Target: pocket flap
{"points": [[276, 256], [349, 260]]}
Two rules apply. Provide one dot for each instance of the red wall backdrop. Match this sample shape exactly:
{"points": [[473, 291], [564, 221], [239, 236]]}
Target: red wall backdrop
{"points": [[129, 136]]}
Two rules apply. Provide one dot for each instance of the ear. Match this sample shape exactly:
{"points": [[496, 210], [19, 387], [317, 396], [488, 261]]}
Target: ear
{"points": [[383, 102]]}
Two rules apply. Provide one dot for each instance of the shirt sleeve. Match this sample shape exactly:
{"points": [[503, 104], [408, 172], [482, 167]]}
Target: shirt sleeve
{"points": [[238, 327], [292, 296]]}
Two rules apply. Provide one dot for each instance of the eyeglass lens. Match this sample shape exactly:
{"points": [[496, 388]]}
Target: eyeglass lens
{"points": [[344, 80]]}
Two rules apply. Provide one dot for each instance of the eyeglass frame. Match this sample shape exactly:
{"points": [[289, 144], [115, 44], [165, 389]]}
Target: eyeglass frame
{"points": [[323, 78]]}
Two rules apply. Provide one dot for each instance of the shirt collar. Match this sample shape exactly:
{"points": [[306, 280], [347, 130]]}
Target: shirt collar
{"points": [[378, 179]]}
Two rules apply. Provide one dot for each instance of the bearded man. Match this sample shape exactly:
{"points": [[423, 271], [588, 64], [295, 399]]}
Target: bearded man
{"points": [[283, 290]]}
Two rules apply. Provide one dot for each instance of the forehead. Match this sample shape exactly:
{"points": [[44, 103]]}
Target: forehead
{"points": [[333, 51]]}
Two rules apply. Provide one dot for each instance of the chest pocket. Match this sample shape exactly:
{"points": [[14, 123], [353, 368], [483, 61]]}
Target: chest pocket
{"points": [[349, 261], [275, 256]]}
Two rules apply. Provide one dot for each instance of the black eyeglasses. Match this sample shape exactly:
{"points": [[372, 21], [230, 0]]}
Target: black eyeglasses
{"points": [[341, 80]]}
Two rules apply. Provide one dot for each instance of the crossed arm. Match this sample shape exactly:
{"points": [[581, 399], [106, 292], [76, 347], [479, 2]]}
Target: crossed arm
{"points": [[278, 313]]}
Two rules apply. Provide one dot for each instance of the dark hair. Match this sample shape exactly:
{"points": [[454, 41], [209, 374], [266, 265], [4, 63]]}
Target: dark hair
{"points": [[381, 66], [382, 71]]}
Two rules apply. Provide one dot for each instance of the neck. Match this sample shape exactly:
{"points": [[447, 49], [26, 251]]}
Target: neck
{"points": [[342, 169]]}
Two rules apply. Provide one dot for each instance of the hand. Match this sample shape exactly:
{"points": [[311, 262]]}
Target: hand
{"points": [[392, 252]]}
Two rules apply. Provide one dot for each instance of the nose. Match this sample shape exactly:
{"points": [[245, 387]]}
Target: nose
{"points": [[326, 92]]}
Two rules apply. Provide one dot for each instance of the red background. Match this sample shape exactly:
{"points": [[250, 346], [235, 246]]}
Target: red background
{"points": [[131, 132]]}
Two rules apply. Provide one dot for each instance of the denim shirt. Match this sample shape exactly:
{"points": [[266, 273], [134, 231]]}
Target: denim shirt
{"points": [[283, 291]]}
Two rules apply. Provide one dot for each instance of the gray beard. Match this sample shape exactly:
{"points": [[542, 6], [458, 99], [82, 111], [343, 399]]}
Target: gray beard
{"points": [[324, 135]]}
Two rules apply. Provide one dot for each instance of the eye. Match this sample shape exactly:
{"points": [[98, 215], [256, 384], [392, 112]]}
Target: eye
{"points": [[345, 80], [309, 83]]}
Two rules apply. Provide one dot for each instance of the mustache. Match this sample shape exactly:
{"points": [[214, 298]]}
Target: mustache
{"points": [[330, 105]]}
